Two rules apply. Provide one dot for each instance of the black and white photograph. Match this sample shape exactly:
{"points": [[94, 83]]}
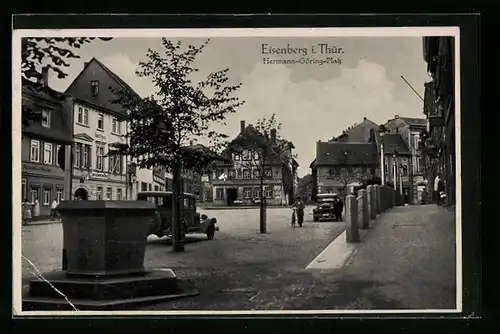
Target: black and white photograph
{"points": [[236, 171]]}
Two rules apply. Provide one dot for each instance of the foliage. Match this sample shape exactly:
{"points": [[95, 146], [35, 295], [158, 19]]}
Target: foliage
{"points": [[265, 147], [49, 53], [163, 125]]}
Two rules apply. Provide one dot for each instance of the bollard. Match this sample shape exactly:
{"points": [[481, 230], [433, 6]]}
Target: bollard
{"points": [[377, 195], [352, 232], [369, 198], [393, 193], [371, 202], [365, 221]]}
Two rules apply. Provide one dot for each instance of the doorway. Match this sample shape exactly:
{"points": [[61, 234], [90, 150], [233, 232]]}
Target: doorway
{"points": [[232, 195], [82, 194], [406, 195]]}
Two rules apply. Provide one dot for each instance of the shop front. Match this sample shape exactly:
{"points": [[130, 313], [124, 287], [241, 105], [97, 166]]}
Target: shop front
{"points": [[96, 185], [45, 183]]}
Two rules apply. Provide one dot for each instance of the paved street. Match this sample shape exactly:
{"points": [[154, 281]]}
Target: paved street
{"points": [[405, 261]]}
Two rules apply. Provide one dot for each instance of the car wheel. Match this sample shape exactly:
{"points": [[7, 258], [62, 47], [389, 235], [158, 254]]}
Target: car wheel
{"points": [[211, 232]]}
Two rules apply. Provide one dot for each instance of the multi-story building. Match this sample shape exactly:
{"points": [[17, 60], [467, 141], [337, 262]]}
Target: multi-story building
{"points": [[99, 128], [397, 163], [340, 167], [238, 180], [46, 145], [438, 145], [410, 128]]}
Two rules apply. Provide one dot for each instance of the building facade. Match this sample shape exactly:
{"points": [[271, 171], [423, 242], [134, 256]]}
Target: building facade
{"points": [[340, 167], [238, 181], [410, 128], [438, 140], [99, 128], [46, 146]]}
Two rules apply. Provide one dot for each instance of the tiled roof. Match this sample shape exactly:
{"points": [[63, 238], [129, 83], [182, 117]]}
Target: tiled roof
{"points": [[415, 121], [359, 133], [393, 142], [338, 153]]}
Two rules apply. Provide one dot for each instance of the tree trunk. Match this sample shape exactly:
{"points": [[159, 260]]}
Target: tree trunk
{"points": [[177, 237], [262, 216]]}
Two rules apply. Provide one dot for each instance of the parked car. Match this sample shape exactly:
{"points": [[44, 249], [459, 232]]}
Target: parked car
{"points": [[324, 209], [161, 223]]}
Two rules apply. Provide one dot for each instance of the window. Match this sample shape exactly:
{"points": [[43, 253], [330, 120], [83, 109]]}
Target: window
{"points": [[23, 189], [100, 121], [144, 186], [35, 151], [59, 194], [115, 126], [109, 194], [82, 116], [219, 193], [46, 118], [46, 196], [78, 154], [99, 163], [94, 88], [85, 156], [256, 173], [34, 193], [232, 174], [246, 155], [239, 173], [256, 193], [247, 173], [150, 187], [119, 194], [256, 155], [48, 155], [58, 149], [157, 188], [115, 166], [269, 192], [99, 193], [343, 171], [236, 157], [268, 172], [404, 170], [247, 192]]}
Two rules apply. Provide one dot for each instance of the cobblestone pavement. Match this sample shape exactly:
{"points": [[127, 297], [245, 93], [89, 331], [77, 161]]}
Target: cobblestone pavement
{"points": [[394, 267]]}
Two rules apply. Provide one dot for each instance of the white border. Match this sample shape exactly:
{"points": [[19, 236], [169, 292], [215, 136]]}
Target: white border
{"points": [[239, 32]]}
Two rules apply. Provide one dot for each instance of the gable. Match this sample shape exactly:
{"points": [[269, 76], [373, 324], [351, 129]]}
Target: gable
{"points": [[80, 88], [84, 137]]}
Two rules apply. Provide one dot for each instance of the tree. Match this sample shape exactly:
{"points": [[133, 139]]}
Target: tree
{"points": [[264, 148], [179, 112], [38, 53]]}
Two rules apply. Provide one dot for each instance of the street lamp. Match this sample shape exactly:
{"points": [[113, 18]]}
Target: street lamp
{"points": [[395, 164], [382, 130]]}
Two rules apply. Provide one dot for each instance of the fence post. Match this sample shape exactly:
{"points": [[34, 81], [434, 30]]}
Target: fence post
{"points": [[352, 231], [365, 222]]}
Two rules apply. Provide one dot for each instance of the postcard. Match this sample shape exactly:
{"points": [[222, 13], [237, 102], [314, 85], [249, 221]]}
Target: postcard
{"points": [[236, 171]]}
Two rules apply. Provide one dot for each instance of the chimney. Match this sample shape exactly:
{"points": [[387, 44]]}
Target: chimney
{"points": [[396, 116], [364, 119], [45, 77], [242, 126], [273, 134]]}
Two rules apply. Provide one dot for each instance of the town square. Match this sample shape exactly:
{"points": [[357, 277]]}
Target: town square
{"points": [[238, 174]]}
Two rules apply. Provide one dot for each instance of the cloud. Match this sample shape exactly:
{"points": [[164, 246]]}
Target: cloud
{"points": [[311, 110]]}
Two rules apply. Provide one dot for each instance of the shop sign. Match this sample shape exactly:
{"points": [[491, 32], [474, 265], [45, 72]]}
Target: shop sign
{"points": [[100, 175], [100, 136], [42, 169]]}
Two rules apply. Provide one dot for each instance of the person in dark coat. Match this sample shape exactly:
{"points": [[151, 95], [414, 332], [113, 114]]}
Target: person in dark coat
{"points": [[338, 207], [299, 210]]}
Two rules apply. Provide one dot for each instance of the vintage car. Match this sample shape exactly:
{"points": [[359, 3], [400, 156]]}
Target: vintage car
{"points": [[161, 222], [324, 209]]}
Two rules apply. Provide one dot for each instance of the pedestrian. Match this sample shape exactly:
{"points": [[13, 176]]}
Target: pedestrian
{"points": [[53, 212], [338, 208], [438, 187], [299, 210], [36, 208], [26, 214]]}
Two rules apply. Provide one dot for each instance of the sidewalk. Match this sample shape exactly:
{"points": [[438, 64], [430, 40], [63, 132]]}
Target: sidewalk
{"points": [[42, 222], [409, 256]]}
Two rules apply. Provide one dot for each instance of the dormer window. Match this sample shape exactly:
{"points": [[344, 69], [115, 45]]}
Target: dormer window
{"points": [[94, 88], [46, 118]]}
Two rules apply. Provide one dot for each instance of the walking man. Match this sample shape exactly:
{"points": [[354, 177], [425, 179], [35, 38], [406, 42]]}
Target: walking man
{"points": [[338, 207], [299, 210], [438, 187], [53, 212]]}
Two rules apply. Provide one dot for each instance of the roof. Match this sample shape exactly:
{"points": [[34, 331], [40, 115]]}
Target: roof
{"points": [[161, 193], [34, 98], [415, 121], [339, 153], [359, 133], [393, 142], [93, 71]]}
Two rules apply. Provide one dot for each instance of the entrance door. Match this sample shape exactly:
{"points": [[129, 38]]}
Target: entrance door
{"points": [[82, 194], [232, 195], [406, 195]]}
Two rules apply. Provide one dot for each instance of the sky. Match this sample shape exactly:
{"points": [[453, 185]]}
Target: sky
{"points": [[313, 102]]}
